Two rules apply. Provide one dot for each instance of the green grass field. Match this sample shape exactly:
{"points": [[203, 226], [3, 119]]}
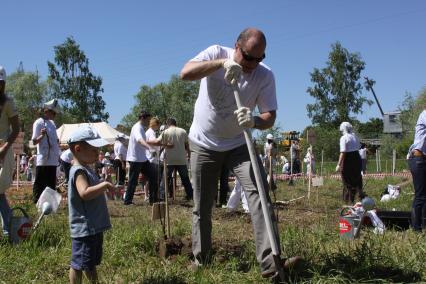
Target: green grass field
{"points": [[307, 227]]}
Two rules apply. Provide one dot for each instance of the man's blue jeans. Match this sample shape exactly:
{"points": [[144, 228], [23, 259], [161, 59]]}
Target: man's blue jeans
{"points": [[183, 173], [418, 171], [5, 213], [150, 171]]}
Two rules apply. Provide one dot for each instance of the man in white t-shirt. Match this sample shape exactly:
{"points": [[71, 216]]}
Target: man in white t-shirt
{"points": [[176, 157], [217, 139], [136, 156], [44, 136]]}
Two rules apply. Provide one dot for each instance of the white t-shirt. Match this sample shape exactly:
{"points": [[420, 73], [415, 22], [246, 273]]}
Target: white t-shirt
{"points": [[67, 156], [136, 152], [215, 125], [363, 153], [349, 143], [175, 156], [46, 155], [151, 153], [120, 151]]}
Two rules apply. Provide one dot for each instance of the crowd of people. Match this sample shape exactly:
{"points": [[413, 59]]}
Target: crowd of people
{"points": [[214, 148]]}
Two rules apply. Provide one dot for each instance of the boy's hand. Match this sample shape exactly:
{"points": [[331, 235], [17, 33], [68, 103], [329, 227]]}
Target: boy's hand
{"points": [[109, 186]]}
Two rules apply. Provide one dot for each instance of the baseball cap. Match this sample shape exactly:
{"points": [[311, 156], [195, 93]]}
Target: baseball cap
{"points": [[2, 74], [52, 105], [87, 134], [269, 136]]}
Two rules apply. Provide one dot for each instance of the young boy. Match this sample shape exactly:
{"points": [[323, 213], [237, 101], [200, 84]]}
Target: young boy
{"points": [[88, 212]]}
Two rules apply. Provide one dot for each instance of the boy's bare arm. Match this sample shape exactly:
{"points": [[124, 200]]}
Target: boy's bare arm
{"points": [[87, 192]]}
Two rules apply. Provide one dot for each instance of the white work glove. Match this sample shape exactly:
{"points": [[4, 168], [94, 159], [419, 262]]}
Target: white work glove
{"points": [[245, 117], [337, 168], [233, 71]]}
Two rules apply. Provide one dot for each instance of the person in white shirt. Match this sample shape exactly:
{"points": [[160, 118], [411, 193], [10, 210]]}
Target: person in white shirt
{"points": [[310, 161], [270, 150], [44, 136], [136, 156], [217, 139], [120, 153], [349, 164], [363, 155], [9, 130], [66, 163]]}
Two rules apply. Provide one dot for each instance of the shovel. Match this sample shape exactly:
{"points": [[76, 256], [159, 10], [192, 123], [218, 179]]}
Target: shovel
{"points": [[263, 199]]}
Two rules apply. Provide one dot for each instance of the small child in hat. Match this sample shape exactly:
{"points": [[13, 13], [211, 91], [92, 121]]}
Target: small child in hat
{"points": [[88, 212]]}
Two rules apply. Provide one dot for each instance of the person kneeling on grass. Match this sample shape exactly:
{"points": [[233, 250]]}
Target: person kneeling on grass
{"points": [[88, 212]]}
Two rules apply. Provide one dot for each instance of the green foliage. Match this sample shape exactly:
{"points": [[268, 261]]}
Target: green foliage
{"points": [[327, 139], [336, 89], [175, 98], [29, 94], [71, 81], [371, 129]]}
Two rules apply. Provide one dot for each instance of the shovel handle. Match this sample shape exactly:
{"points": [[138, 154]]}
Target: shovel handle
{"points": [[262, 192]]}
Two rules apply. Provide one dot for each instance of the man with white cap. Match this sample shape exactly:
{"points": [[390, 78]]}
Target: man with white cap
{"points": [[44, 136], [9, 129], [270, 149]]}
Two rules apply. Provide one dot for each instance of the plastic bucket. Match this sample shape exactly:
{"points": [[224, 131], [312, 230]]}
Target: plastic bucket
{"points": [[348, 224], [20, 226]]}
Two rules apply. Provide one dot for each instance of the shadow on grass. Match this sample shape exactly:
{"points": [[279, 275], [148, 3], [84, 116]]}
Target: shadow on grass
{"points": [[164, 280], [344, 266]]}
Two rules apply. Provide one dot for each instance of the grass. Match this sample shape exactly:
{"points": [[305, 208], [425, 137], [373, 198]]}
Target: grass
{"points": [[307, 227]]}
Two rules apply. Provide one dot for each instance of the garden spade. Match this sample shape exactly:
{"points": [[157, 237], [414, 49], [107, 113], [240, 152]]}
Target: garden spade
{"points": [[260, 187]]}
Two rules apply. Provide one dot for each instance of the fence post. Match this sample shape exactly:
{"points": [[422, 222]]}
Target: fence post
{"points": [[393, 161], [377, 160]]}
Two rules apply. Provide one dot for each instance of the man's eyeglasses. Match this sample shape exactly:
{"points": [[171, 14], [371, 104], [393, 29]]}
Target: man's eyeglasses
{"points": [[248, 57]]}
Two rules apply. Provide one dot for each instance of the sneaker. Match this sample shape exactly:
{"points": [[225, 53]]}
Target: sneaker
{"points": [[129, 204], [289, 264]]}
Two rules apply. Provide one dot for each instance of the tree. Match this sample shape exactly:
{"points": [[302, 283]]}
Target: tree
{"points": [[175, 98], [371, 129], [29, 93], [71, 81], [337, 89]]}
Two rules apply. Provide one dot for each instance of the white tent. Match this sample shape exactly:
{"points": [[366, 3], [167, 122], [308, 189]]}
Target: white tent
{"points": [[103, 128]]}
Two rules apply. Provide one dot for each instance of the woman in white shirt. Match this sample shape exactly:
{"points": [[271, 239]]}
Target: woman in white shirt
{"points": [[349, 164]]}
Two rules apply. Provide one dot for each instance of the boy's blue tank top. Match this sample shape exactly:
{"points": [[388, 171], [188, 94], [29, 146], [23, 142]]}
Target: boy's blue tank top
{"points": [[86, 217]]}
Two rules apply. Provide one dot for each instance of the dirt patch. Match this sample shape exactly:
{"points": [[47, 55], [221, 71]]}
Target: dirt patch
{"points": [[171, 247]]}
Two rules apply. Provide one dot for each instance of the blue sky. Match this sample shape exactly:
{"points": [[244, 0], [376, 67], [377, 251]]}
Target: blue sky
{"points": [[135, 43]]}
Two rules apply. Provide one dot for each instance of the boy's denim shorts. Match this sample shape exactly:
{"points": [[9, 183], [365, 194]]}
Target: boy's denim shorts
{"points": [[86, 252]]}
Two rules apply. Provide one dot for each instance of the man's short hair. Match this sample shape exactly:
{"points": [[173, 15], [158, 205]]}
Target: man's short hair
{"points": [[144, 114], [171, 121]]}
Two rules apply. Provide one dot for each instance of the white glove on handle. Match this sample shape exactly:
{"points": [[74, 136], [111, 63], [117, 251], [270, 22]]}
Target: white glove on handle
{"points": [[245, 117], [232, 71]]}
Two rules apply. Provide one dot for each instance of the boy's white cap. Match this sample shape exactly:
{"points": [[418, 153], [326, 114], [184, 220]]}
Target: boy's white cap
{"points": [[87, 134], [52, 105], [2, 74], [269, 136]]}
